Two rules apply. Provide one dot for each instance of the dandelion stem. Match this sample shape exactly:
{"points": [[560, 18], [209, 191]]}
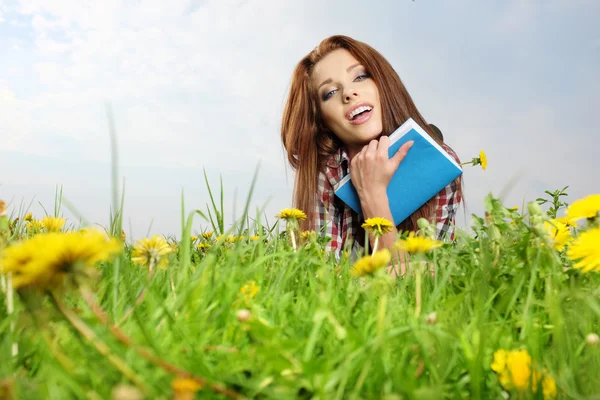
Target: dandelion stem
{"points": [[418, 290], [10, 307], [123, 338], [293, 238], [100, 346], [375, 243]]}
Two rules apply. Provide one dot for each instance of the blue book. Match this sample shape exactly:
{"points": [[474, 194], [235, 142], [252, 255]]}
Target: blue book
{"points": [[424, 172]]}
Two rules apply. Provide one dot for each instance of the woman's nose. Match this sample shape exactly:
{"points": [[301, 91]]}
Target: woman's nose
{"points": [[350, 94]]}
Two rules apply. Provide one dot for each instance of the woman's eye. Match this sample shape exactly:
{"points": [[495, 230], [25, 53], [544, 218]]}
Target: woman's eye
{"points": [[328, 94], [362, 77]]}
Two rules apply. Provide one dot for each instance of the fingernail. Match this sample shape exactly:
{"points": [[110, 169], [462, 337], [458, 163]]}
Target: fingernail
{"points": [[411, 143]]}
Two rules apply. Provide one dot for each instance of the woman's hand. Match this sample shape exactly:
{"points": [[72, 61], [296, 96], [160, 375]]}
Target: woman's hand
{"points": [[372, 170]]}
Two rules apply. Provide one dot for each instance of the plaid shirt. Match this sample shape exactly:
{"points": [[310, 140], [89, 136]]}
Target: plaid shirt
{"points": [[335, 219]]}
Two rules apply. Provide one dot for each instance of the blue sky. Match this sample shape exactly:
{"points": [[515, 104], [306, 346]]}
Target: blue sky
{"points": [[201, 84]]}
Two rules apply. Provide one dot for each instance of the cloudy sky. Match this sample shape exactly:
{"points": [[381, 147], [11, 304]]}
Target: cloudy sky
{"points": [[200, 84]]}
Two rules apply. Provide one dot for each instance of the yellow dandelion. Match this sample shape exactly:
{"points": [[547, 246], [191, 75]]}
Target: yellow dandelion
{"points": [[193, 238], [50, 260], [291, 214], [585, 251], [306, 235], [514, 369], [587, 207], [231, 239], [483, 160], [2, 208], [220, 237], [378, 226], [151, 252], [185, 388], [368, 264], [515, 208], [203, 246], [254, 238], [559, 233], [250, 289], [33, 226], [570, 222], [52, 224], [207, 235], [28, 217], [417, 244], [548, 386]]}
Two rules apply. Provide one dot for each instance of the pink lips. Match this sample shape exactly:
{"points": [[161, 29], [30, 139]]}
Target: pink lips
{"points": [[362, 118]]}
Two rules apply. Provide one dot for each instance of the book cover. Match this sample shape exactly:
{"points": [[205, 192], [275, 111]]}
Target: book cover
{"points": [[424, 172]]}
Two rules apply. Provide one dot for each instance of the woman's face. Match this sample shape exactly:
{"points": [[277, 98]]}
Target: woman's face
{"points": [[348, 99]]}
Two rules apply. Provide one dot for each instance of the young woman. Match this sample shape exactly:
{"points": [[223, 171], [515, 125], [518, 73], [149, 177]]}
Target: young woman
{"points": [[345, 99]]}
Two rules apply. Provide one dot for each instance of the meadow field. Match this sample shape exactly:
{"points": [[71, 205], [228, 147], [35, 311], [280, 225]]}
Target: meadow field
{"points": [[258, 310]]}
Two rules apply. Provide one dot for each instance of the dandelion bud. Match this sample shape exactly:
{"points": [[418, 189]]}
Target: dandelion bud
{"points": [[243, 315], [534, 209], [423, 223], [592, 339], [126, 392], [431, 319], [2, 208]]}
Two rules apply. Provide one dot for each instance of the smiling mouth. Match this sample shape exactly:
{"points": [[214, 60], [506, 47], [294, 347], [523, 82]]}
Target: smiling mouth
{"points": [[360, 115], [360, 111]]}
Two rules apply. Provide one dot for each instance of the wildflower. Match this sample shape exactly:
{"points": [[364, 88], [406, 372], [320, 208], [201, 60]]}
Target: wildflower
{"points": [[308, 235], [254, 238], [481, 160], [515, 208], [559, 233], [51, 224], [220, 237], [2, 208], [207, 235], [151, 252], [33, 226], [291, 214], [193, 238], [515, 371], [587, 207], [250, 289], [585, 251], [28, 217], [185, 388], [48, 260], [231, 239], [378, 226], [568, 221], [417, 244], [367, 265], [203, 246]]}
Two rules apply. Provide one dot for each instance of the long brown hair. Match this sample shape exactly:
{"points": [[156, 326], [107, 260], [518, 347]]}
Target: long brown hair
{"points": [[309, 143]]}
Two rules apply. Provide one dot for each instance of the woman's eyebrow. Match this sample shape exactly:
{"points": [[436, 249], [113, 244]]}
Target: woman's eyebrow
{"points": [[329, 80]]}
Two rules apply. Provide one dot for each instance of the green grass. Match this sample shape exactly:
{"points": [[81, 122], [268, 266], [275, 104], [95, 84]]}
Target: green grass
{"points": [[315, 332]]}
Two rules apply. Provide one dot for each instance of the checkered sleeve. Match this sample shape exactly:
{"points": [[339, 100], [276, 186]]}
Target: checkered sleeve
{"points": [[448, 201], [326, 218]]}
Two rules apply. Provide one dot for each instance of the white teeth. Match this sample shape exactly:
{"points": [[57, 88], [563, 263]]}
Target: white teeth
{"points": [[359, 110]]}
